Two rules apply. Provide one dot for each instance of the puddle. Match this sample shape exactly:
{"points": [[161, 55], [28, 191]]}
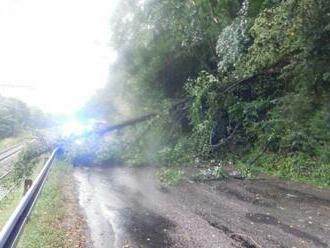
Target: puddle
{"points": [[263, 219], [144, 227], [117, 213]]}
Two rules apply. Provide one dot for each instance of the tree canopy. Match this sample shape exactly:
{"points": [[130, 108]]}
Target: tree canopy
{"points": [[16, 117]]}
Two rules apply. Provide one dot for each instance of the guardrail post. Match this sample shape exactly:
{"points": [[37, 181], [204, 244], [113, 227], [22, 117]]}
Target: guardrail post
{"points": [[27, 184]]}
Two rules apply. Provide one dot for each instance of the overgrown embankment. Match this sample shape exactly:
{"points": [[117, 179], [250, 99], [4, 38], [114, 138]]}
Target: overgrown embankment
{"points": [[255, 75]]}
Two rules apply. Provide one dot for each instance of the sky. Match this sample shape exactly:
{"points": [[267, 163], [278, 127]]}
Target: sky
{"points": [[54, 54]]}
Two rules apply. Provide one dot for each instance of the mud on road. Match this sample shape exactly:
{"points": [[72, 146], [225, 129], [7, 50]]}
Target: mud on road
{"points": [[126, 207]]}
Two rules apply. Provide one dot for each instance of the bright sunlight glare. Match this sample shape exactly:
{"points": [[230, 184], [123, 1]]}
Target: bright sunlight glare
{"points": [[54, 54], [74, 127]]}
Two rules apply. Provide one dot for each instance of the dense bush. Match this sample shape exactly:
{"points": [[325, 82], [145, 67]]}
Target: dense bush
{"points": [[255, 75], [28, 158], [283, 106]]}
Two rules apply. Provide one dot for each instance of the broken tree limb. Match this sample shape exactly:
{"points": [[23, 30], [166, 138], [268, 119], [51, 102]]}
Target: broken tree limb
{"points": [[132, 122], [127, 123]]}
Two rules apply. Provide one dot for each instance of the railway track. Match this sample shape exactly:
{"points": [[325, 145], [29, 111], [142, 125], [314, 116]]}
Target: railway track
{"points": [[6, 167], [10, 151]]}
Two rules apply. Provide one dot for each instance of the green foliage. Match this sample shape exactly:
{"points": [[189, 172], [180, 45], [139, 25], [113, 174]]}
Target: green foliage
{"points": [[53, 218], [27, 160], [205, 105], [233, 40], [282, 108], [170, 176], [42, 230], [214, 172], [256, 74], [13, 117], [177, 154], [244, 170], [160, 45], [299, 167], [17, 118]]}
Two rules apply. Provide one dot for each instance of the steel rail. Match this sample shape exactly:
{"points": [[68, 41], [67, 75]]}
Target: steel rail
{"points": [[15, 148], [11, 189], [6, 174], [4, 151], [9, 155], [9, 148], [11, 231]]}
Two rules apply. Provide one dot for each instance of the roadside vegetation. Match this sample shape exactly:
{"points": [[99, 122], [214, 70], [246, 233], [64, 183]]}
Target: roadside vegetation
{"points": [[15, 184], [55, 220], [170, 176], [238, 82], [18, 121], [27, 160]]}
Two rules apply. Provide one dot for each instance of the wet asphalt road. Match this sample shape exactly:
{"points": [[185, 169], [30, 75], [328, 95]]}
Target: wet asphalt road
{"points": [[125, 207]]}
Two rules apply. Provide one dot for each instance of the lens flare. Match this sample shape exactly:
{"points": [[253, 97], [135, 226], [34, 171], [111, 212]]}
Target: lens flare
{"points": [[73, 127]]}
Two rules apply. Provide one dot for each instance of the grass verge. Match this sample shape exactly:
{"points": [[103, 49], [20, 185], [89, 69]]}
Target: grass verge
{"points": [[9, 203], [295, 167], [55, 220]]}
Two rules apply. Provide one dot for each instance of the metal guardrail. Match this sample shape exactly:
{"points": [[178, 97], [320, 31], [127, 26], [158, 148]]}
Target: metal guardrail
{"points": [[14, 226]]}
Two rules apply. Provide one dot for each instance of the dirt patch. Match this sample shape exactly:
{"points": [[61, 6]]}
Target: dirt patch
{"points": [[279, 191], [256, 200], [240, 239], [270, 220]]}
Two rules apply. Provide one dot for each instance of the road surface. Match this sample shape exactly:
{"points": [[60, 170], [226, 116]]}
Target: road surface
{"points": [[126, 207]]}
